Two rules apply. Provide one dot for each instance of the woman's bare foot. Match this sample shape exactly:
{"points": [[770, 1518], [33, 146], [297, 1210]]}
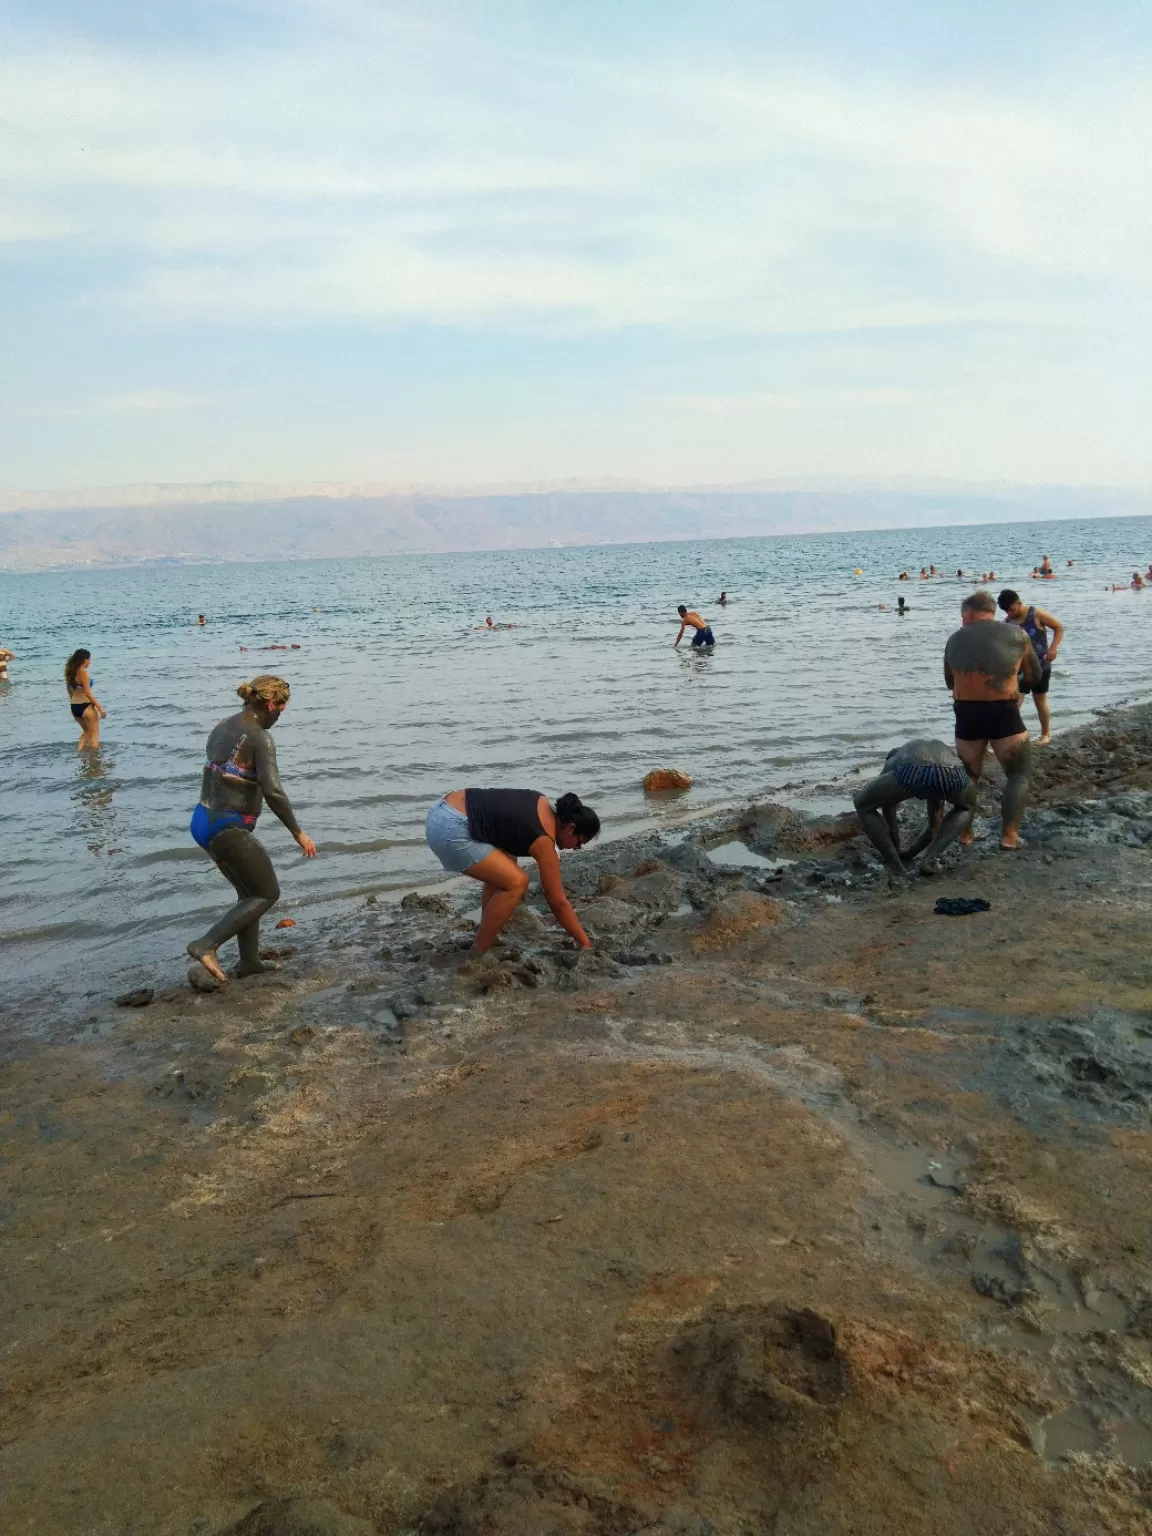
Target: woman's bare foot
{"points": [[1011, 841], [207, 958], [1044, 741]]}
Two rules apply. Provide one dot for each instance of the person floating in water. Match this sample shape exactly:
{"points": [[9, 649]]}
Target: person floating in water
{"points": [[482, 833], [690, 618], [981, 663], [201, 621], [723, 599], [240, 774], [86, 707], [1035, 623], [919, 770], [903, 576], [1137, 582]]}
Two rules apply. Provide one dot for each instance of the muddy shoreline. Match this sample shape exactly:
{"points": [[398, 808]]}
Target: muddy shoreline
{"points": [[791, 1208]]}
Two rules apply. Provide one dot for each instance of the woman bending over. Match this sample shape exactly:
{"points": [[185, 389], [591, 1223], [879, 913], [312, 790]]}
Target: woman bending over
{"points": [[482, 833]]}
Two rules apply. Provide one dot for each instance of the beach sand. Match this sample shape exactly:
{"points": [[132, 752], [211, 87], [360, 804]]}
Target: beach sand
{"points": [[793, 1208]]}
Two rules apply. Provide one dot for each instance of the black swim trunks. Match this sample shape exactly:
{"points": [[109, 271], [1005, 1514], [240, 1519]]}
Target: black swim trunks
{"points": [[987, 719], [1040, 687]]}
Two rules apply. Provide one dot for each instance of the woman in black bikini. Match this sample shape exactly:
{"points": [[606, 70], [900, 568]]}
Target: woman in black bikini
{"points": [[86, 707], [240, 774]]}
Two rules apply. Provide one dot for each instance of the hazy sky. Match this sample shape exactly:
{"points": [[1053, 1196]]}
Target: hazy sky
{"points": [[351, 239]]}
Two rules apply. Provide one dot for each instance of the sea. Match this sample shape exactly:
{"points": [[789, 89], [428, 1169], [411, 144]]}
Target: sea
{"points": [[400, 693]]}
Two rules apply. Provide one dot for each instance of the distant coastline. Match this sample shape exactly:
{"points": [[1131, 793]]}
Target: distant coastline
{"points": [[173, 532]]}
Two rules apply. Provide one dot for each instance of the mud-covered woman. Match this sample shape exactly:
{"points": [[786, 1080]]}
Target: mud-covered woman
{"points": [[483, 832], [240, 776]]}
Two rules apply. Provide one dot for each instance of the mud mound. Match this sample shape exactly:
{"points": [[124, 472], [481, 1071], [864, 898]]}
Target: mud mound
{"points": [[815, 836], [529, 1501], [734, 919], [763, 1363], [300, 1517]]}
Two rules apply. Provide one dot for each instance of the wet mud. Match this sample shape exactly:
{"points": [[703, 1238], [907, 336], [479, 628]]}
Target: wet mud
{"points": [[792, 1207]]}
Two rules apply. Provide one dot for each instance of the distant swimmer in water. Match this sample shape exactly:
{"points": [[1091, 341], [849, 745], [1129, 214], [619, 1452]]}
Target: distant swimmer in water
{"points": [[1137, 582], [1035, 576], [932, 570], [293, 647], [1045, 566], [919, 770], [240, 774], [903, 576], [85, 706], [689, 617], [482, 833], [901, 605], [959, 575], [923, 573], [1035, 623], [722, 599], [201, 621], [981, 663], [489, 624], [5, 657]]}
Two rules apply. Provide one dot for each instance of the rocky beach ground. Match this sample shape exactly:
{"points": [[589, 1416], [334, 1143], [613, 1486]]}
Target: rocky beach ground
{"points": [[792, 1208]]}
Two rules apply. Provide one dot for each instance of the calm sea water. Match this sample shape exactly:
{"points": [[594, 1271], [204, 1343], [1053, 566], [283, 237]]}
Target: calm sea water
{"points": [[396, 698]]}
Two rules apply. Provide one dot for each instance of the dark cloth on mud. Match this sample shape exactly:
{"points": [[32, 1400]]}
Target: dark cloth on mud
{"points": [[961, 906], [509, 819], [241, 774]]}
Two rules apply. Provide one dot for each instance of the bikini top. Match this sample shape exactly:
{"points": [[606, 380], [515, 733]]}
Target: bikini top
{"points": [[233, 768]]}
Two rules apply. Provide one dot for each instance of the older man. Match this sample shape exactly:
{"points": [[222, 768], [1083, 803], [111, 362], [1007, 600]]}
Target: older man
{"points": [[981, 663]]}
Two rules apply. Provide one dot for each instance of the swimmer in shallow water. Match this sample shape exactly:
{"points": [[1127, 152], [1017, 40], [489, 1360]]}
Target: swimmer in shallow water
{"points": [[5, 657], [85, 706], [201, 621], [723, 599], [919, 770], [981, 663], [689, 618], [482, 833], [240, 774]]}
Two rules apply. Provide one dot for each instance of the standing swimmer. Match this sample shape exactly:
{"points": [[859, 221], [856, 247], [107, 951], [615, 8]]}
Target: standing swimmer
{"points": [[703, 635], [86, 707], [239, 775], [5, 657]]}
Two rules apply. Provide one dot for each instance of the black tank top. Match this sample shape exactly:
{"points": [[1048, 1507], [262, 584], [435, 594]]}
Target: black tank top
{"points": [[506, 818]]}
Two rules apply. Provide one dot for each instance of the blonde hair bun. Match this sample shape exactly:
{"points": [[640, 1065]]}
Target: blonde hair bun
{"points": [[265, 689]]}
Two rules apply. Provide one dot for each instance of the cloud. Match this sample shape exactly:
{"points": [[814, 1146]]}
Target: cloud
{"points": [[403, 172], [138, 402]]}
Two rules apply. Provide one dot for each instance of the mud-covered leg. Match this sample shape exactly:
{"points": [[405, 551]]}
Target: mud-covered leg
{"points": [[245, 862], [957, 822], [1014, 754], [875, 804]]}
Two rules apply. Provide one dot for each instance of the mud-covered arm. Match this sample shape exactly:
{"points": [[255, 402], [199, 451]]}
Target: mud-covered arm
{"points": [[543, 850], [268, 778]]}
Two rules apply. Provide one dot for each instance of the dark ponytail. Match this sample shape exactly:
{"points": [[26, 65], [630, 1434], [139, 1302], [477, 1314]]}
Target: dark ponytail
{"points": [[77, 660], [570, 808]]}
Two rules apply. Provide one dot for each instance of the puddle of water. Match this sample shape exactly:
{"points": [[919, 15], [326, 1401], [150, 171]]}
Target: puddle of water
{"points": [[1072, 1430], [738, 855]]}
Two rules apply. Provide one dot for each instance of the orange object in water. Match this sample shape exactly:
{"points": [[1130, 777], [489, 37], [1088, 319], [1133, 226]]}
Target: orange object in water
{"points": [[286, 922]]}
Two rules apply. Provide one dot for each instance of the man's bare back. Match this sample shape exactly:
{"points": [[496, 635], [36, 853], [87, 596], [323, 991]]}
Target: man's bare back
{"points": [[981, 661]]}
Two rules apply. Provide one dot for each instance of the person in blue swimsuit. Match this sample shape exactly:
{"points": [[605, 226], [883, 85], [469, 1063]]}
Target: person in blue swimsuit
{"points": [[240, 774], [1035, 623], [689, 618]]}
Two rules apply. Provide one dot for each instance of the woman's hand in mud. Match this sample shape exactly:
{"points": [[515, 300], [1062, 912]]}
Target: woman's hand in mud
{"points": [[307, 846]]}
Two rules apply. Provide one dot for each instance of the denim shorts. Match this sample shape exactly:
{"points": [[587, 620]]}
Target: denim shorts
{"points": [[449, 841]]}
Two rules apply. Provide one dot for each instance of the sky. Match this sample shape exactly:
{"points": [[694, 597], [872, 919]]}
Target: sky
{"points": [[675, 242]]}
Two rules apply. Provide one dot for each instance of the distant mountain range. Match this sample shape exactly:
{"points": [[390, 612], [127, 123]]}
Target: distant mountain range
{"points": [[195, 524]]}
